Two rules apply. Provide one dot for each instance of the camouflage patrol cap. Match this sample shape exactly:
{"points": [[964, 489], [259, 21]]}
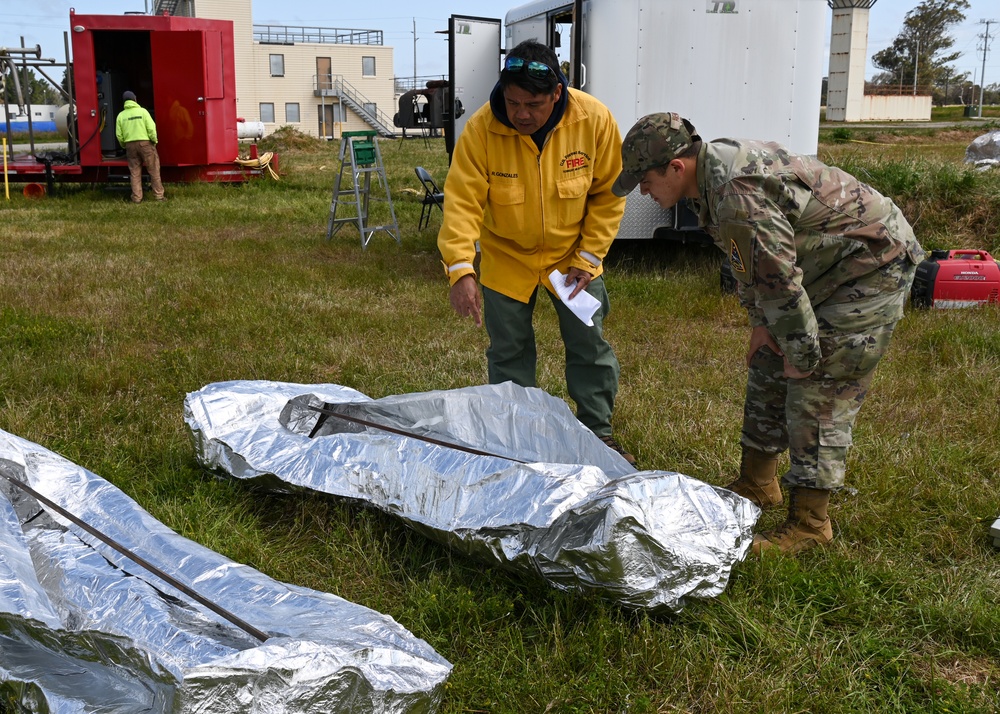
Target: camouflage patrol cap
{"points": [[655, 140]]}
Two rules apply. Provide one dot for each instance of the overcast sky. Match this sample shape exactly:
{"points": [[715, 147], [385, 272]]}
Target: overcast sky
{"points": [[43, 22]]}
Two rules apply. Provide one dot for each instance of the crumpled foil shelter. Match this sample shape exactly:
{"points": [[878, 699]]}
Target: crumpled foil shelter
{"points": [[85, 629], [984, 151], [547, 497]]}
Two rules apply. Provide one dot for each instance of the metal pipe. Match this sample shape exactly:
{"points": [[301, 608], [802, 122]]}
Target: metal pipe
{"points": [[71, 129], [326, 412], [27, 104], [6, 184], [54, 84], [17, 83], [22, 50], [218, 610]]}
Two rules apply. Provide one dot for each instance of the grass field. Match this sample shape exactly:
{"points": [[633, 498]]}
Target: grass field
{"points": [[110, 313]]}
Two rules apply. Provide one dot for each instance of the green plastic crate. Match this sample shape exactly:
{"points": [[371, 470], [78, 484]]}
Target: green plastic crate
{"points": [[364, 146]]}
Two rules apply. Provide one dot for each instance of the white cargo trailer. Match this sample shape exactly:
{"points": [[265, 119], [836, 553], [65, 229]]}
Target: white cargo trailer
{"points": [[738, 68]]}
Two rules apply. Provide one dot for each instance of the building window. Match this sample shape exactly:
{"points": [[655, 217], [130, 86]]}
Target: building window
{"points": [[292, 113], [267, 112], [371, 108], [367, 66], [277, 65]]}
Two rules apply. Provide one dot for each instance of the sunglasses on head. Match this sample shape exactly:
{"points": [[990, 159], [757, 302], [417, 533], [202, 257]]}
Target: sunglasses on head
{"points": [[534, 69]]}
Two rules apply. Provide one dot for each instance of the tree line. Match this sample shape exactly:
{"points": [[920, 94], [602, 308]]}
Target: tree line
{"points": [[923, 56], [35, 90]]}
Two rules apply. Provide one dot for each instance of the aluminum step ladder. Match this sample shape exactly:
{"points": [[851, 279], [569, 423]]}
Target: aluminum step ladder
{"points": [[360, 159]]}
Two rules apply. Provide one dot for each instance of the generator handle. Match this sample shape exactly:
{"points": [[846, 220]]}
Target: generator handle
{"points": [[976, 254]]}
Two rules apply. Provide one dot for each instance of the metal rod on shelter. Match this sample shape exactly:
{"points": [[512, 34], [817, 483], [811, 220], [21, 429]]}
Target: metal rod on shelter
{"points": [[325, 411], [218, 610]]}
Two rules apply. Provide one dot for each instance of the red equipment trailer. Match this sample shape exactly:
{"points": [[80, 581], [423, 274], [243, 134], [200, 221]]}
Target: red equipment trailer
{"points": [[180, 68]]}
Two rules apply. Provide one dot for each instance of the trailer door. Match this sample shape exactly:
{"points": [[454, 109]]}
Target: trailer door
{"points": [[473, 67], [181, 90], [555, 24]]}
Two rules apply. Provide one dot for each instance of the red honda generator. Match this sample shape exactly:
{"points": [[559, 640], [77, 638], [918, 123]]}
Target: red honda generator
{"points": [[956, 278]]}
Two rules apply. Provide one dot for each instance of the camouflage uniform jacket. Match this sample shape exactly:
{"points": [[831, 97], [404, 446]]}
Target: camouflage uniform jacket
{"points": [[806, 243]]}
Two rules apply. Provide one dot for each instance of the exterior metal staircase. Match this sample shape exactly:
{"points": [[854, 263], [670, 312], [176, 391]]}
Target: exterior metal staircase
{"points": [[169, 7], [336, 86]]}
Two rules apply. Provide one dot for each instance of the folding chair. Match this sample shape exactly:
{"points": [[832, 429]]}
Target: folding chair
{"points": [[433, 196]]}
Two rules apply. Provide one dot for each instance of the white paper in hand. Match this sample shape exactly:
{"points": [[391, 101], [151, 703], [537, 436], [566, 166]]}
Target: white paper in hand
{"points": [[584, 305]]}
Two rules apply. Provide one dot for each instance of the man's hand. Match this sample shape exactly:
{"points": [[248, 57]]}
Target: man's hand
{"points": [[760, 337], [793, 372], [465, 298], [581, 277]]}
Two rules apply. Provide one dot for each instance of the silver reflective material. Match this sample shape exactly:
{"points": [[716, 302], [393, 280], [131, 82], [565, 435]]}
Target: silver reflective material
{"points": [[85, 629], [984, 151], [551, 499]]}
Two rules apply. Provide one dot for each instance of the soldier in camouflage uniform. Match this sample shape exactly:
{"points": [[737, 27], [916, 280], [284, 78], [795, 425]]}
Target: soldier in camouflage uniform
{"points": [[823, 263]]}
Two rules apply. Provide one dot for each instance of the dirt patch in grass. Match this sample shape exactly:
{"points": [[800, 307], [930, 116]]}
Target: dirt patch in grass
{"points": [[946, 136], [287, 139], [956, 669]]}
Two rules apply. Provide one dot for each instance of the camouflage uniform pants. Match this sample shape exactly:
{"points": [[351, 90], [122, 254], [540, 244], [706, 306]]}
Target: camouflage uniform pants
{"points": [[813, 417]]}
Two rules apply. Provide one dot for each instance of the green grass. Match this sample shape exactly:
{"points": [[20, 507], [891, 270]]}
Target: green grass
{"points": [[111, 313], [956, 112]]}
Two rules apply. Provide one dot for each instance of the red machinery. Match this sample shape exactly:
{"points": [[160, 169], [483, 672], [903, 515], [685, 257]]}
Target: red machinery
{"points": [[181, 69], [956, 278]]}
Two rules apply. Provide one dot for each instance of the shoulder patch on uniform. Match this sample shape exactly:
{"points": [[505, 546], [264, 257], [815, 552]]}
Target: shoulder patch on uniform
{"points": [[739, 238], [735, 258]]}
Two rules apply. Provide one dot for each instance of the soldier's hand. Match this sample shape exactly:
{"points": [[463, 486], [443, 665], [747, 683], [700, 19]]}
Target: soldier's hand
{"points": [[465, 300], [760, 337], [581, 277], [793, 372]]}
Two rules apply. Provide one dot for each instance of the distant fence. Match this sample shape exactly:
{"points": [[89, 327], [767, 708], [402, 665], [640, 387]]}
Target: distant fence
{"points": [[285, 35], [895, 90], [405, 84]]}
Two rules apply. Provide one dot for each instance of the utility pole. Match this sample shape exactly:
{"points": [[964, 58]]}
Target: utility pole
{"points": [[982, 75], [414, 53], [916, 59]]}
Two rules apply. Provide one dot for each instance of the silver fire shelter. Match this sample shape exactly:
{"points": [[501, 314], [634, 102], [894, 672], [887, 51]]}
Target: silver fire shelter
{"points": [[85, 628], [502, 473]]}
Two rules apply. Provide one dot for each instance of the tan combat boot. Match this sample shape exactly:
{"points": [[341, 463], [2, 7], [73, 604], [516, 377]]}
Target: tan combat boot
{"points": [[808, 524], [758, 481]]}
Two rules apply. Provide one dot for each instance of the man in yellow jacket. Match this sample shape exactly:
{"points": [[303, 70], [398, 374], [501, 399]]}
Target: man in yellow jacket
{"points": [[531, 180], [136, 131]]}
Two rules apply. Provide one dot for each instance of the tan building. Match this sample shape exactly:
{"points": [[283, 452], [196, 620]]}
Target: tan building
{"points": [[322, 81]]}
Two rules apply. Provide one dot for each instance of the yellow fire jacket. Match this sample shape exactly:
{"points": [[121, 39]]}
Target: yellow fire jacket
{"points": [[532, 212]]}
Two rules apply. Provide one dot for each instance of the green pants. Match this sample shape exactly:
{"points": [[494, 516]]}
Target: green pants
{"points": [[591, 366]]}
